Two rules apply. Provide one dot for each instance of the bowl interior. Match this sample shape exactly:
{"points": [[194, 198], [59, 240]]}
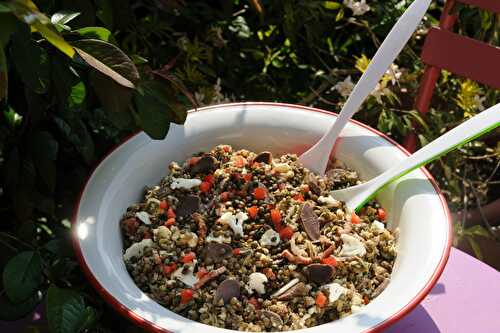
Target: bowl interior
{"points": [[413, 204]]}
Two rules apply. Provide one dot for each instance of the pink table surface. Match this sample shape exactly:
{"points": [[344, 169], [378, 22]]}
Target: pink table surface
{"points": [[465, 299]]}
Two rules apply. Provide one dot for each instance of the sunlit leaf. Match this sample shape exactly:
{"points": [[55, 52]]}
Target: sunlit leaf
{"points": [[63, 17], [475, 247], [109, 60], [97, 33], [13, 118], [331, 5], [27, 12], [77, 95], [60, 19]]}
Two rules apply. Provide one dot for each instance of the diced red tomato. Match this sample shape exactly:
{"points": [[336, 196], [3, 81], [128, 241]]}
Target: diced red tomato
{"points": [[188, 257], [201, 273], [259, 193], [168, 269], [247, 177], [268, 272], [205, 187], [236, 251], [305, 188], [276, 218], [355, 218], [329, 261], [253, 211], [239, 161], [186, 295], [163, 205], [170, 222], [320, 299], [366, 300], [254, 302], [209, 179], [381, 214], [298, 197], [224, 196], [286, 233], [131, 225], [227, 149], [193, 160], [171, 213]]}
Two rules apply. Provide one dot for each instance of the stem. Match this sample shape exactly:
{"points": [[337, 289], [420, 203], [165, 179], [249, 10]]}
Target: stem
{"points": [[5, 234]]}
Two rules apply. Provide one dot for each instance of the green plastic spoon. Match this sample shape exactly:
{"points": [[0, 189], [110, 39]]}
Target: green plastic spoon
{"points": [[356, 196]]}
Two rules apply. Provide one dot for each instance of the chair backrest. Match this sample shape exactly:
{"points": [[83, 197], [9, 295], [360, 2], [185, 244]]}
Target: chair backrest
{"points": [[460, 55]]}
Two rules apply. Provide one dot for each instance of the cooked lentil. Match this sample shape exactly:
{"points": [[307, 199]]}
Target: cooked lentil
{"points": [[249, 242]]}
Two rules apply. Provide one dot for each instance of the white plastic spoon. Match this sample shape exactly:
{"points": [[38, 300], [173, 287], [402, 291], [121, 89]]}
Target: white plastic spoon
{"points": [[316, 158], [356, 196]]}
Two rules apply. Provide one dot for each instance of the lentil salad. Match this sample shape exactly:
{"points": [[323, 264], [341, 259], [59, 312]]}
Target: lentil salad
{"points": [[251, 242]]}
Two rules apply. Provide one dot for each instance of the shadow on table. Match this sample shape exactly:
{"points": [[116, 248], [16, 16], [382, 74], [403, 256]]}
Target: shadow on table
{"points": [[416, 321], [439, 288]]}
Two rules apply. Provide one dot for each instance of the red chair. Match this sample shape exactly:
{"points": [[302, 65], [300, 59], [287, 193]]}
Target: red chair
{"points": [[460, 55]]}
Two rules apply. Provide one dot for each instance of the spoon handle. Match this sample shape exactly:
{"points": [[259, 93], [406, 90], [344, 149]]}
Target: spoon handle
{"points": [[467, 131], [316, 158]]}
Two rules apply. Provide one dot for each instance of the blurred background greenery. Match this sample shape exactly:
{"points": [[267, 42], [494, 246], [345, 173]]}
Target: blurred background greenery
{"points": [[142, 64]]}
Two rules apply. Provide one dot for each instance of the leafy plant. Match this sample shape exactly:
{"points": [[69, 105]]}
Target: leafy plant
{"points": [[76, 77]]}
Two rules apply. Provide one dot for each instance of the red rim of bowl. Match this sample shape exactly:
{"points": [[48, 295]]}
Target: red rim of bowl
{"points": [[144, 323]]}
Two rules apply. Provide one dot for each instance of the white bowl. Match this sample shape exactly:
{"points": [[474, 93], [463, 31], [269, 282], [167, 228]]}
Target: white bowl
{"points": [[414, 204]]}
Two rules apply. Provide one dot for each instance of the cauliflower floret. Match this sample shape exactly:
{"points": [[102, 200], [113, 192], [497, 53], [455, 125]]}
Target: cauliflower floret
{"points": [[257, 282], [184, 183], [351, 247], [137, 249]]}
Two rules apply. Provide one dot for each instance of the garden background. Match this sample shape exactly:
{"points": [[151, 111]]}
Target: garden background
{"points": [[142, 64]]}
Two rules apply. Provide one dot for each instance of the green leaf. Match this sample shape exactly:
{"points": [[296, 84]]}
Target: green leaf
{"points": [[76, 132], [12, 171], [109, 60], [44, 146], [138, 60], [15, 311], [4, 78], [13, 118], [30, 60], [63, 78], [114, 97], [97, 33], [153, 109], [27, 12], [59, 247], [5, 8], [105, 12], [340, 15], [478, 230], [476, 248], [22, 275], [8, 24], [44, 150], [331, 5], [63, 17], [77, 95], [53, 37], [66, 311]]}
